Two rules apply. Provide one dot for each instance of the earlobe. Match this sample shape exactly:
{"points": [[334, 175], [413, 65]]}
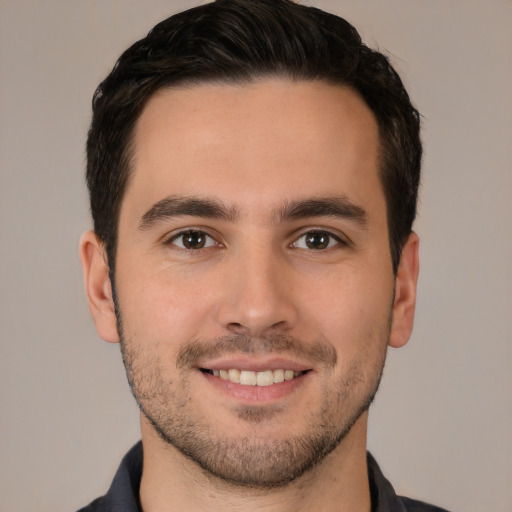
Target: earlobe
{"points": [[98, 287], [405, 293]]}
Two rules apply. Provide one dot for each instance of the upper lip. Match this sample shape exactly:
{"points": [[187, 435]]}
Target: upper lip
{"points": [[255, 364]]}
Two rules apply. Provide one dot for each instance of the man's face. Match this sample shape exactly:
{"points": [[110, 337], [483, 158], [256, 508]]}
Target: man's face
{"points": [[253, 246]]}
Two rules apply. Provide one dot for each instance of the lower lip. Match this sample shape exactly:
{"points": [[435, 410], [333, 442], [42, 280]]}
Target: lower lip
{"points": [[256, 394]]}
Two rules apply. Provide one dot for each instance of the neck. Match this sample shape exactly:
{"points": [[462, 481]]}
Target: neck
{"points": [[171, 481]]}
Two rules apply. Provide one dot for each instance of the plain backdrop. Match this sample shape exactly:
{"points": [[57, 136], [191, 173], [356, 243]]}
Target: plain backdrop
{"points": [[442, 423]]}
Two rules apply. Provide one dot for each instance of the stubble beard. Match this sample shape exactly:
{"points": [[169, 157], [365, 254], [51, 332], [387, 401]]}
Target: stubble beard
{"points": [[250, 461]]}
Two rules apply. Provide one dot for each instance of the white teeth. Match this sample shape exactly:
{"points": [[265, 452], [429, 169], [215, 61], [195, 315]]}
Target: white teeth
{"points": [[278, 376], [250, 378], [265, 378], [234, 375]]}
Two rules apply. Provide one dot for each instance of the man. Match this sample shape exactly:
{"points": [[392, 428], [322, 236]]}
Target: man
{"points": [[253, 172]]}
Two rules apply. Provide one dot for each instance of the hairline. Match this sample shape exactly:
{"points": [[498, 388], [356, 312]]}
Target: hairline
{"points": [[128, 152]]}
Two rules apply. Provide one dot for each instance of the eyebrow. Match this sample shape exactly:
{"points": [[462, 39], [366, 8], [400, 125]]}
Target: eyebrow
{"points": [[177, 206], [339, 207]]}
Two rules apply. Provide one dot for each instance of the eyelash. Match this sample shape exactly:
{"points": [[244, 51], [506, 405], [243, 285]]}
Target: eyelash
{"points": [[209, 241], [323, 233], [201, 233]]}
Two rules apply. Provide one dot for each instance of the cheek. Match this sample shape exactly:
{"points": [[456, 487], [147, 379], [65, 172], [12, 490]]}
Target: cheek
{"points": [[162, 307], [350, 310]]}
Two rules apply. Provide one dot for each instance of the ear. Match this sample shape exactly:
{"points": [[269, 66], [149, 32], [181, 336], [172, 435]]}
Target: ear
{"points": [[98, 287], [405, 293]]}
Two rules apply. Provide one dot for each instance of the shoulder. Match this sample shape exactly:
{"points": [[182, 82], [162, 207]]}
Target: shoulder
{"points": [[123, 495], [384, 498], [98, 505], [419, 506]]}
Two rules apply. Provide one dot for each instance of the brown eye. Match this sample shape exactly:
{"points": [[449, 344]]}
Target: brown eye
{"points": [[193, 240], [317, 240]]}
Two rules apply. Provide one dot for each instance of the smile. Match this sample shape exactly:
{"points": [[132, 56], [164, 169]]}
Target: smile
{"points": [[251, 378]]}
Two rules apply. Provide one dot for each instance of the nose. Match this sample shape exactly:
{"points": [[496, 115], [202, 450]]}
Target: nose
{"points": [[258, 295]]}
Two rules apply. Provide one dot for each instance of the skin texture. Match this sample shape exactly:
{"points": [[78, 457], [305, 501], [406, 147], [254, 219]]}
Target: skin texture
{"points": [[274, 283]]}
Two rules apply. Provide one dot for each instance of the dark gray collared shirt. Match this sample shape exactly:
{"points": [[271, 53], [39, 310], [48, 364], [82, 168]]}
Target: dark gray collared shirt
{"points": [[123, 495]]}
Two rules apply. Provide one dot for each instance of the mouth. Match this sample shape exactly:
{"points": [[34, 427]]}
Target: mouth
{"points": [[255, 378]]}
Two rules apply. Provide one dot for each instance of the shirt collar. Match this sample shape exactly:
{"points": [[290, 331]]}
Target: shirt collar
{"points": [[123, 495]]}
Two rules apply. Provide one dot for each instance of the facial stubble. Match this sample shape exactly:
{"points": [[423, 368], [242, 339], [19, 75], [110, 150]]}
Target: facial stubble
{"points": [[247, 460]]}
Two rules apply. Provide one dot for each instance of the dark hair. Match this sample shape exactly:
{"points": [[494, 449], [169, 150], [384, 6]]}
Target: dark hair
{"points": [[238, 41]]}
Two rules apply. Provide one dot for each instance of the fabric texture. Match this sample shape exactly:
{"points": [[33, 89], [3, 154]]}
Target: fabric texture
{"points": [[123, 495]]}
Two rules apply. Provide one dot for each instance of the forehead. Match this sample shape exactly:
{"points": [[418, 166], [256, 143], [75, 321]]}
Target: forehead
{"points": [[263, 142]]}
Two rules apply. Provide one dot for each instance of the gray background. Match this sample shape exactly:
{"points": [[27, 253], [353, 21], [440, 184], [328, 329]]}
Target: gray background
{"points": [[442, 421]]}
